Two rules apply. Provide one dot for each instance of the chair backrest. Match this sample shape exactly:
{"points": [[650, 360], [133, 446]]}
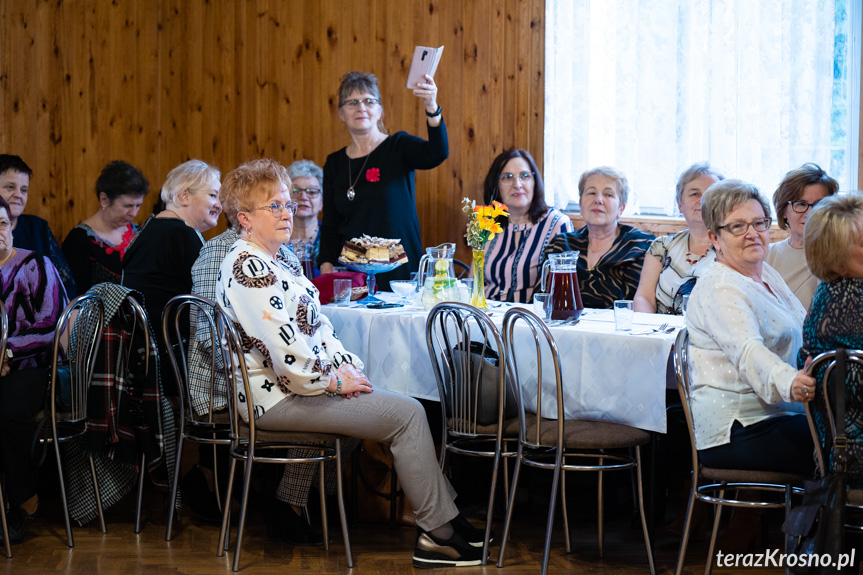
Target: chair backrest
{"points": [[827, 362], [86, 315], [681, 367], [4, 333], [199, 368], [238, 386], [532, 380], [466, 352]]}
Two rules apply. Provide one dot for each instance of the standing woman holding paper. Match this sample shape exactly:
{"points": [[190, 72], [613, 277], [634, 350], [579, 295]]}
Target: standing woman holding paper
{"points": [[369, 185]]}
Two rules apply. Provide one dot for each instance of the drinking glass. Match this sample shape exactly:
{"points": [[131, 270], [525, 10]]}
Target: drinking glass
{"points": [[466, 289], [342, 291], [540, 304], [624, 311], [404, 289]]}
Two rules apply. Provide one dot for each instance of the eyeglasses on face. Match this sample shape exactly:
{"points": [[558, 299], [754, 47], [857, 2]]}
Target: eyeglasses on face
{"points": [[310, 192], [354, 104], [740, 228], [508, 179], [276, 208], [802, 206]]}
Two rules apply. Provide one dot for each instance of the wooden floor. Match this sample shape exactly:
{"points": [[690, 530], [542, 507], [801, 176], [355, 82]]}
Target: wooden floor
{"points": [[377, 548]]}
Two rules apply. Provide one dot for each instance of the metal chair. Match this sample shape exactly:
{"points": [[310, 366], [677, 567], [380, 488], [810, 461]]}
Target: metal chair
{"points": [[547, 443], [462, 270], [723, 479], [4, 334], [247, 441], [828, 361], [213, 427], [458, 335], [88, 314]]}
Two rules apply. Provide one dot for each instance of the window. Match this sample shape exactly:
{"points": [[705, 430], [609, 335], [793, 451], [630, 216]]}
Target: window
{"points": [[755, 87]]}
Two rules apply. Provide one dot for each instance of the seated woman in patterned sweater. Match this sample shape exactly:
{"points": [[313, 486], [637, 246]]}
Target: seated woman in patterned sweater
{"points": [[610, 253], [513, 256], [834, 250], [301, 376]]}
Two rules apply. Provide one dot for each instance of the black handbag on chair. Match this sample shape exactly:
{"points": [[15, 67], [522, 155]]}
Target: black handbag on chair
{"points": [[816, 528]]}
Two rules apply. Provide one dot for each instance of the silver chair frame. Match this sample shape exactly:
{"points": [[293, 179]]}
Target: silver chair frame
{"points": [[448, 326], [829, 358], [82, 363], [706, 492], [200, 429], [534, 453], [245, 448]]}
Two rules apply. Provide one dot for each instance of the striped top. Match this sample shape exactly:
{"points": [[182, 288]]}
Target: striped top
{"points": [[616, 273], [512, 258]]}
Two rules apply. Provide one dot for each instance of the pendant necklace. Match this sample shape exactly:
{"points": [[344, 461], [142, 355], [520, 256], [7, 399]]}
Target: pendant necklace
{"points": [[351, 192]]}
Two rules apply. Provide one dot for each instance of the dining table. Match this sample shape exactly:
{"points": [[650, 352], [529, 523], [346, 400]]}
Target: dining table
{"points": [[607, 374]]}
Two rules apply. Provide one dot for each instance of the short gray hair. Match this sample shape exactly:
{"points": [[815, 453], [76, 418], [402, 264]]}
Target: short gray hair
{"points": [[306, 169], [608, 172], [694, 172], [722, 197], [193, 175]]}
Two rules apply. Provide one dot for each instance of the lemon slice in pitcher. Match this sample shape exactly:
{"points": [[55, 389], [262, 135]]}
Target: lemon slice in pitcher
{"points": [[441, 267]]}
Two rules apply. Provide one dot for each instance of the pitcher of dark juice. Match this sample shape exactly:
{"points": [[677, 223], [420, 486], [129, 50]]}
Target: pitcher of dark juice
{"points": [[305, 252], [560, 279]]}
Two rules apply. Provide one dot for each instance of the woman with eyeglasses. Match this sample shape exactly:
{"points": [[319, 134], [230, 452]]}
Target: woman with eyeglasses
{"points": [[798, 192], [745, 329], [369, 185], [158, 262], [610, 253], [303, 379], [306, 177], [512, 258]]}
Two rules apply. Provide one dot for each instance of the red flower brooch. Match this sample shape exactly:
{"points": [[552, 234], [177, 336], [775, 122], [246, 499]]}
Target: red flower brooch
{"points": [[373, 175]]}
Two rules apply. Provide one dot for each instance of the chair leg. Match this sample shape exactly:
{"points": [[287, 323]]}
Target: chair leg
{"points": [[555, 484], [247, 485], [99, 510], [215, 475], [509, 507], [489, 513], [3, 524], [641, 511], [69, 541], [141, 475], [687, 525], [323, 496], [599, 509], [172, 503], [340, 494], [563, 506], [709, 566], [225, 531], [394, 493]]}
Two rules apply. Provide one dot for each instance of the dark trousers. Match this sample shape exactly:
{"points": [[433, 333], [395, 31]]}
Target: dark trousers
{"points": [[777, 444], [22, 396]]}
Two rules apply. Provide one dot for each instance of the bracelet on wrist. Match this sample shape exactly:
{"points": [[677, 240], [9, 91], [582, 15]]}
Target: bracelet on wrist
{"points": [[338, 390], [434, 114]]}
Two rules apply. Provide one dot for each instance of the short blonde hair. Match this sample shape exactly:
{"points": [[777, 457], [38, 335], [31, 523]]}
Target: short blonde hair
{"points": [[834, 225], [722, 197], [694, 172], [791, 188], [193, 175], [248, 184], [608, 172]]}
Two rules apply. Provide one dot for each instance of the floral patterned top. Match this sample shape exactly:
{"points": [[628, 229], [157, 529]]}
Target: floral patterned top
{"points": [[290, 345], [92, 258]]}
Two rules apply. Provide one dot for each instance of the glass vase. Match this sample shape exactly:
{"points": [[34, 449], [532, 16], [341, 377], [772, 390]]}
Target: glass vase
{"points": [[477, 297]]}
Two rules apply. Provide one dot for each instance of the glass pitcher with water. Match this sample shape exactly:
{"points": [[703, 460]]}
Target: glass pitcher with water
{"points": [[437, 277], [560, 272]]}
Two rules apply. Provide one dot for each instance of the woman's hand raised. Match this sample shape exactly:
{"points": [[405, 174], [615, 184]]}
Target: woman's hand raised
{"points": [[428, 92], [354, 381]]}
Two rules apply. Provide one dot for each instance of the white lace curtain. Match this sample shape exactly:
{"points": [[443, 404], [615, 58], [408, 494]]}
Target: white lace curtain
{"points": [[652, 86]]}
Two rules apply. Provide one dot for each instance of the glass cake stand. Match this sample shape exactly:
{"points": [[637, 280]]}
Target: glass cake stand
{"points": [[370, 270]]}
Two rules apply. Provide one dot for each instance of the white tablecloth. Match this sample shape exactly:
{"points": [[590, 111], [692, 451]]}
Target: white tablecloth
{"points": [[607, 375]]}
